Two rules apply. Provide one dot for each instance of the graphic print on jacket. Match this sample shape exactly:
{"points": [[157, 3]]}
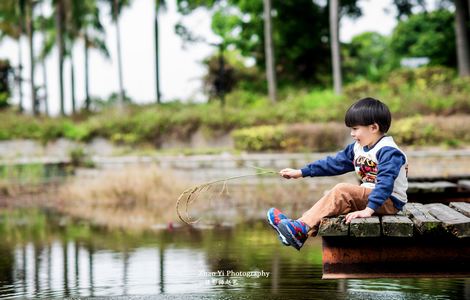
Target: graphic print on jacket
{"points": [[366, 169]]}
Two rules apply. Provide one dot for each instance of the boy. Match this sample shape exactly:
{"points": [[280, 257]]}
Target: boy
{"points": [[380, 164]]}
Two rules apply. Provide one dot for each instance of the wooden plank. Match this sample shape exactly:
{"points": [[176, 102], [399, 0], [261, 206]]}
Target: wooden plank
{"points": [[333, 227], [454, 222], [451, 178], [424, 222], [365, 227], [398, 226], [431, 187], [461, 207], [464, 184]]}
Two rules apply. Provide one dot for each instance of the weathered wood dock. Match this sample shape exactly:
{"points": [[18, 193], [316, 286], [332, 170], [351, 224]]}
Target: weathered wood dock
{"points": [[439, 189], [431, 240]]}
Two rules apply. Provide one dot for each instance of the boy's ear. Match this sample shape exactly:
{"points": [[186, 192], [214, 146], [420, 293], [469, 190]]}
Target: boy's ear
{"points": [[375, 127]]}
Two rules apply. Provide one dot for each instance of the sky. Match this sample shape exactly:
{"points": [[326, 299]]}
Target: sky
{"points": [[181, 67]]}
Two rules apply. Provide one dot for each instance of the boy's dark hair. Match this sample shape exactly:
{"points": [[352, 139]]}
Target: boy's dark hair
{"points": [[368, 111]]}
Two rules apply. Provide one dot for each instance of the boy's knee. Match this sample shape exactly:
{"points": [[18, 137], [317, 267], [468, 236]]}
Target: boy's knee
{"points": [[342, 187]]}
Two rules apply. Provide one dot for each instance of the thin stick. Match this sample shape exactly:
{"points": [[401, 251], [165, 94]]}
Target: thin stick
{"points": [[192, 194]]}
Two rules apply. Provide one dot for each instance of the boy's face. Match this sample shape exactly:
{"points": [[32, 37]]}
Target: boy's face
{"points": [[366, 135]]}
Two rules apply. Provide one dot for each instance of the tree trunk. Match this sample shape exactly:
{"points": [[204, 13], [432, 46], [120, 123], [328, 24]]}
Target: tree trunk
{"points": [[87, 74], [461, 35], [60, 42], [20, 76], [118, 45], [46, 92], [20, 11], [157, 52], [269, 51], [335, 46], [72, 78], [29, 30], [44, 69], [222, 85]]}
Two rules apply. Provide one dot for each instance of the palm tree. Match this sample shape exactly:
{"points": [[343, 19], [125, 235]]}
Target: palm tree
{"points": [[74, 21], [43, 25], [93, 38], [335, 47], [269, 51], [80, 20], [462, 19], [87, 69], [60, 23], [116, 8], [159, 4], [30, 32]]}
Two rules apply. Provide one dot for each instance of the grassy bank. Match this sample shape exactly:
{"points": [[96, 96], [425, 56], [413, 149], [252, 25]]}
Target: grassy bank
{"points": [[415, 97], [450, 132]]}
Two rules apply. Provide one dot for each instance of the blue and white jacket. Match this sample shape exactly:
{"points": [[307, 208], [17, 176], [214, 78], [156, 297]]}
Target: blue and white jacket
{"points": [[383, 168]]}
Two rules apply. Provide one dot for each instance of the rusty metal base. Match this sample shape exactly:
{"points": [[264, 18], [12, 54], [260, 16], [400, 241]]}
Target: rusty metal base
{"points": [[387, 257]]}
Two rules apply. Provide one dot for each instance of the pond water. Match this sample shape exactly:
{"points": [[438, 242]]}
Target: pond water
{"points": [[47, 256]]}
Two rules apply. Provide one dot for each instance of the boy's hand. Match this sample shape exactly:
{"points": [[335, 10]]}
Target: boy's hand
{"points": [[290, 173], [365, 213]]}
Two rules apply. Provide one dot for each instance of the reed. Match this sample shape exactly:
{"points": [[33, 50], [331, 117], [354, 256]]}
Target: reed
{"points": [[131, 198]]}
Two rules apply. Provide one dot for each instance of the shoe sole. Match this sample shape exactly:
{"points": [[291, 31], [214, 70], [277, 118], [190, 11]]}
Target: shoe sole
{"points": [[281, 237], [286, 233]]}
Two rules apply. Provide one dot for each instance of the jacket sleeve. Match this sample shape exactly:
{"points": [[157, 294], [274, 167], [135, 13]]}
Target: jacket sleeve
{"points": [[390, 161], [341, 163]]}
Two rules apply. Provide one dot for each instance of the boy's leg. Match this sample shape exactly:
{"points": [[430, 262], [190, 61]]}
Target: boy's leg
{"points": [[342, 199]]}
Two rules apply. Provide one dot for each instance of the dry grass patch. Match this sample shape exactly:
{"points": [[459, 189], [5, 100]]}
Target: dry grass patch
{"points": [[131, 198]]}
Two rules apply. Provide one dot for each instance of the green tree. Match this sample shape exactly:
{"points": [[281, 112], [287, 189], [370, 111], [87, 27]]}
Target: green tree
{"points": [[405, 7], [367, 56], [93, 35], [73, 23], [12, 14], [116, 7], [5, 71], [29, 16], [300, 33], [461, 26], [426, 35], [81, 20], [235, 75]]}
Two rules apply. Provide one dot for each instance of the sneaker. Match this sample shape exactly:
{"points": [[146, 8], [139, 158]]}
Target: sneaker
{"points": [[295, 232], [275, 216]]}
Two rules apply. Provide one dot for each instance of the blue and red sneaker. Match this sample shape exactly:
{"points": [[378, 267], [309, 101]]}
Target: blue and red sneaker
{"points": [[295, 232], [275, 216]]}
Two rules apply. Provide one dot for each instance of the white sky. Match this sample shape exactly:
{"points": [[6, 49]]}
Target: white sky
{"points": [[180, 69]]}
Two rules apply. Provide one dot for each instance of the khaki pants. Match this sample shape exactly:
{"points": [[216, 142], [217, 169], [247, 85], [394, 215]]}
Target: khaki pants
{"points": [[342, 199]]}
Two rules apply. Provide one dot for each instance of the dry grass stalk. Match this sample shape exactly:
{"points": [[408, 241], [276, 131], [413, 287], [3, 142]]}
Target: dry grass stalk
{"points": [[190, 195]]}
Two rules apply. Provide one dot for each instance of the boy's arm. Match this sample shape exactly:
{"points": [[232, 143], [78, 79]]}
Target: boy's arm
{"points": [[341, 163], [390, 162]]}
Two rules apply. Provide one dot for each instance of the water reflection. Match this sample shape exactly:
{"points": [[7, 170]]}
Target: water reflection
{"points": [[48, 260]]}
